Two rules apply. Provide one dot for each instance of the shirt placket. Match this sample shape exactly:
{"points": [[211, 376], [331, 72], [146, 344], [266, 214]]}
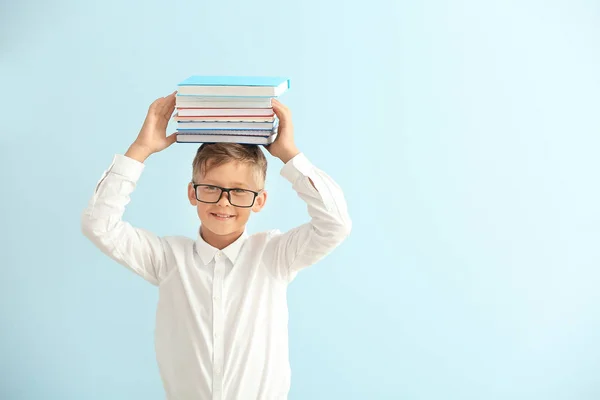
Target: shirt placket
{"points": [[218, 347]]}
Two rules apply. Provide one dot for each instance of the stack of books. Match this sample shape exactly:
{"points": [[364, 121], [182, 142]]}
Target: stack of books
{"points": [[228, 109]]}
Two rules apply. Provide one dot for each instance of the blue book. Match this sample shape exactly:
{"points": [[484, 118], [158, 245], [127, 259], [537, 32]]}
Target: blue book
{"points": [[227, 132], [199, 80], [234, 86], [256, 140]]}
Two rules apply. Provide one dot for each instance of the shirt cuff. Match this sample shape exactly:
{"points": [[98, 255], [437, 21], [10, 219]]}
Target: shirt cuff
{"points": [[127, 167], [297, 167]]}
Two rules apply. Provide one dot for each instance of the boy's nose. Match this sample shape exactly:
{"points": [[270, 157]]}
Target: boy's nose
{"points": [[224, 200]]}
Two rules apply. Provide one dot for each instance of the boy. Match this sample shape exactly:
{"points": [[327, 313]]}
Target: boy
{"points": [[221, 321]]}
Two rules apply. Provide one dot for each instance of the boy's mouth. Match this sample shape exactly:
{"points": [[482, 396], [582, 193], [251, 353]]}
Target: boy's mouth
{"points": [[222, 217]]}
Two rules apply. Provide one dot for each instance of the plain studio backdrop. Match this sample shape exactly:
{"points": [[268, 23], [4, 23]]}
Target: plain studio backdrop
{"points": [[465, 135]]}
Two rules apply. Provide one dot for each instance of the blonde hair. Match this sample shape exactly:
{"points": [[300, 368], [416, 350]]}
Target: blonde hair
{"points": [[210, 155]]}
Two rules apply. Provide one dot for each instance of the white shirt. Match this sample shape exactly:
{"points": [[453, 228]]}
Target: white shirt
{"points": [[222, 317]]}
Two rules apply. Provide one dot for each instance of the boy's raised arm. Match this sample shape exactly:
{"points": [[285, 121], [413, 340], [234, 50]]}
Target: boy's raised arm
{"points": [[287, 253], [137, 249]]}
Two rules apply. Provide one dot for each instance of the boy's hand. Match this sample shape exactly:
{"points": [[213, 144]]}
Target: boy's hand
{"points": [[283, 147], [153, 135]]}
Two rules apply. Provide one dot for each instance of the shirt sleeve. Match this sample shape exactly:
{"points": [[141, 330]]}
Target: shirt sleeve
{"points": [[101, 222], [287, 253]]}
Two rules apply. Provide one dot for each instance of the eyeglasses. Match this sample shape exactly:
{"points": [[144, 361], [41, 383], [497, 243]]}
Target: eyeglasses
{"points": [[237, 197]]}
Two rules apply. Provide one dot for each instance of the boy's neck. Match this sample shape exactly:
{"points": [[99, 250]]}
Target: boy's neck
{"points": [[219, 241]]}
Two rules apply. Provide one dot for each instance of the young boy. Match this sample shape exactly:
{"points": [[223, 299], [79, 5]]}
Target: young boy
{"points": [[222, 318]]}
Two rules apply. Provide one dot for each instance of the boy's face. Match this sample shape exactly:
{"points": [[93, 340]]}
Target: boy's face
{"points": [[222, 219]]}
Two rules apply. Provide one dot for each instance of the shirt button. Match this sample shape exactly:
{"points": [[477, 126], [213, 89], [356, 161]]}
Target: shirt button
{"points": [[216, 298], [217, 370]]}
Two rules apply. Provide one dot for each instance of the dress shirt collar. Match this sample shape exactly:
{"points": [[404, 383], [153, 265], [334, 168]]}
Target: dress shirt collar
{"points": [[207, 252]]}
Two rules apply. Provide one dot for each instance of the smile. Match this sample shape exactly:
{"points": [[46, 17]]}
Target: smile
{"points": [[222, 216]]}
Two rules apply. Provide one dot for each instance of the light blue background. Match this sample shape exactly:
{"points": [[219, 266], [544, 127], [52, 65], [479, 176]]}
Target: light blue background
{"points": [[464, 133]]}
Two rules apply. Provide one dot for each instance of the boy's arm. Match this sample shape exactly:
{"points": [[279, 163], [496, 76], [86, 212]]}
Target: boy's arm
{"points": [[101, 222], [287, 253]]}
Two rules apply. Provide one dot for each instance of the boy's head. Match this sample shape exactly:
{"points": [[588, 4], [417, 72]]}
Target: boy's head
{"points": [[230, 166]]}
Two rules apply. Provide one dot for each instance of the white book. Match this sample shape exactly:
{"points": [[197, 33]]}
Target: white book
{"points": [[234, 86], [223, 112], [195, 138], [226, 118], [225, 125], [182, 101]]}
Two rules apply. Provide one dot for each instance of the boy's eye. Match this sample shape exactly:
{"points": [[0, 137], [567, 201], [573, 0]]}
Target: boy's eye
{"points": [[211, 188], [239, 191]]}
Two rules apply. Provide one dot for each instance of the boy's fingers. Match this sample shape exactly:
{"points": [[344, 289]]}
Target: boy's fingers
{"points": [[278, 108], [280, 105], [172, 102], [155, 105], [167, 111], [166, 100], [164, 103], [156, 109], [163, 106], [172, 138], [282, 114]]}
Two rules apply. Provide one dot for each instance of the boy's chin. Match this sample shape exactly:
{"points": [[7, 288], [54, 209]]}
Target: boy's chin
{"points": [[222, 228]]}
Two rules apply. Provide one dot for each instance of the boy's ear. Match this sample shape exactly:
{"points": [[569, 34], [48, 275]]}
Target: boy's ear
{"points": [[192, 195], [260, 201]]}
